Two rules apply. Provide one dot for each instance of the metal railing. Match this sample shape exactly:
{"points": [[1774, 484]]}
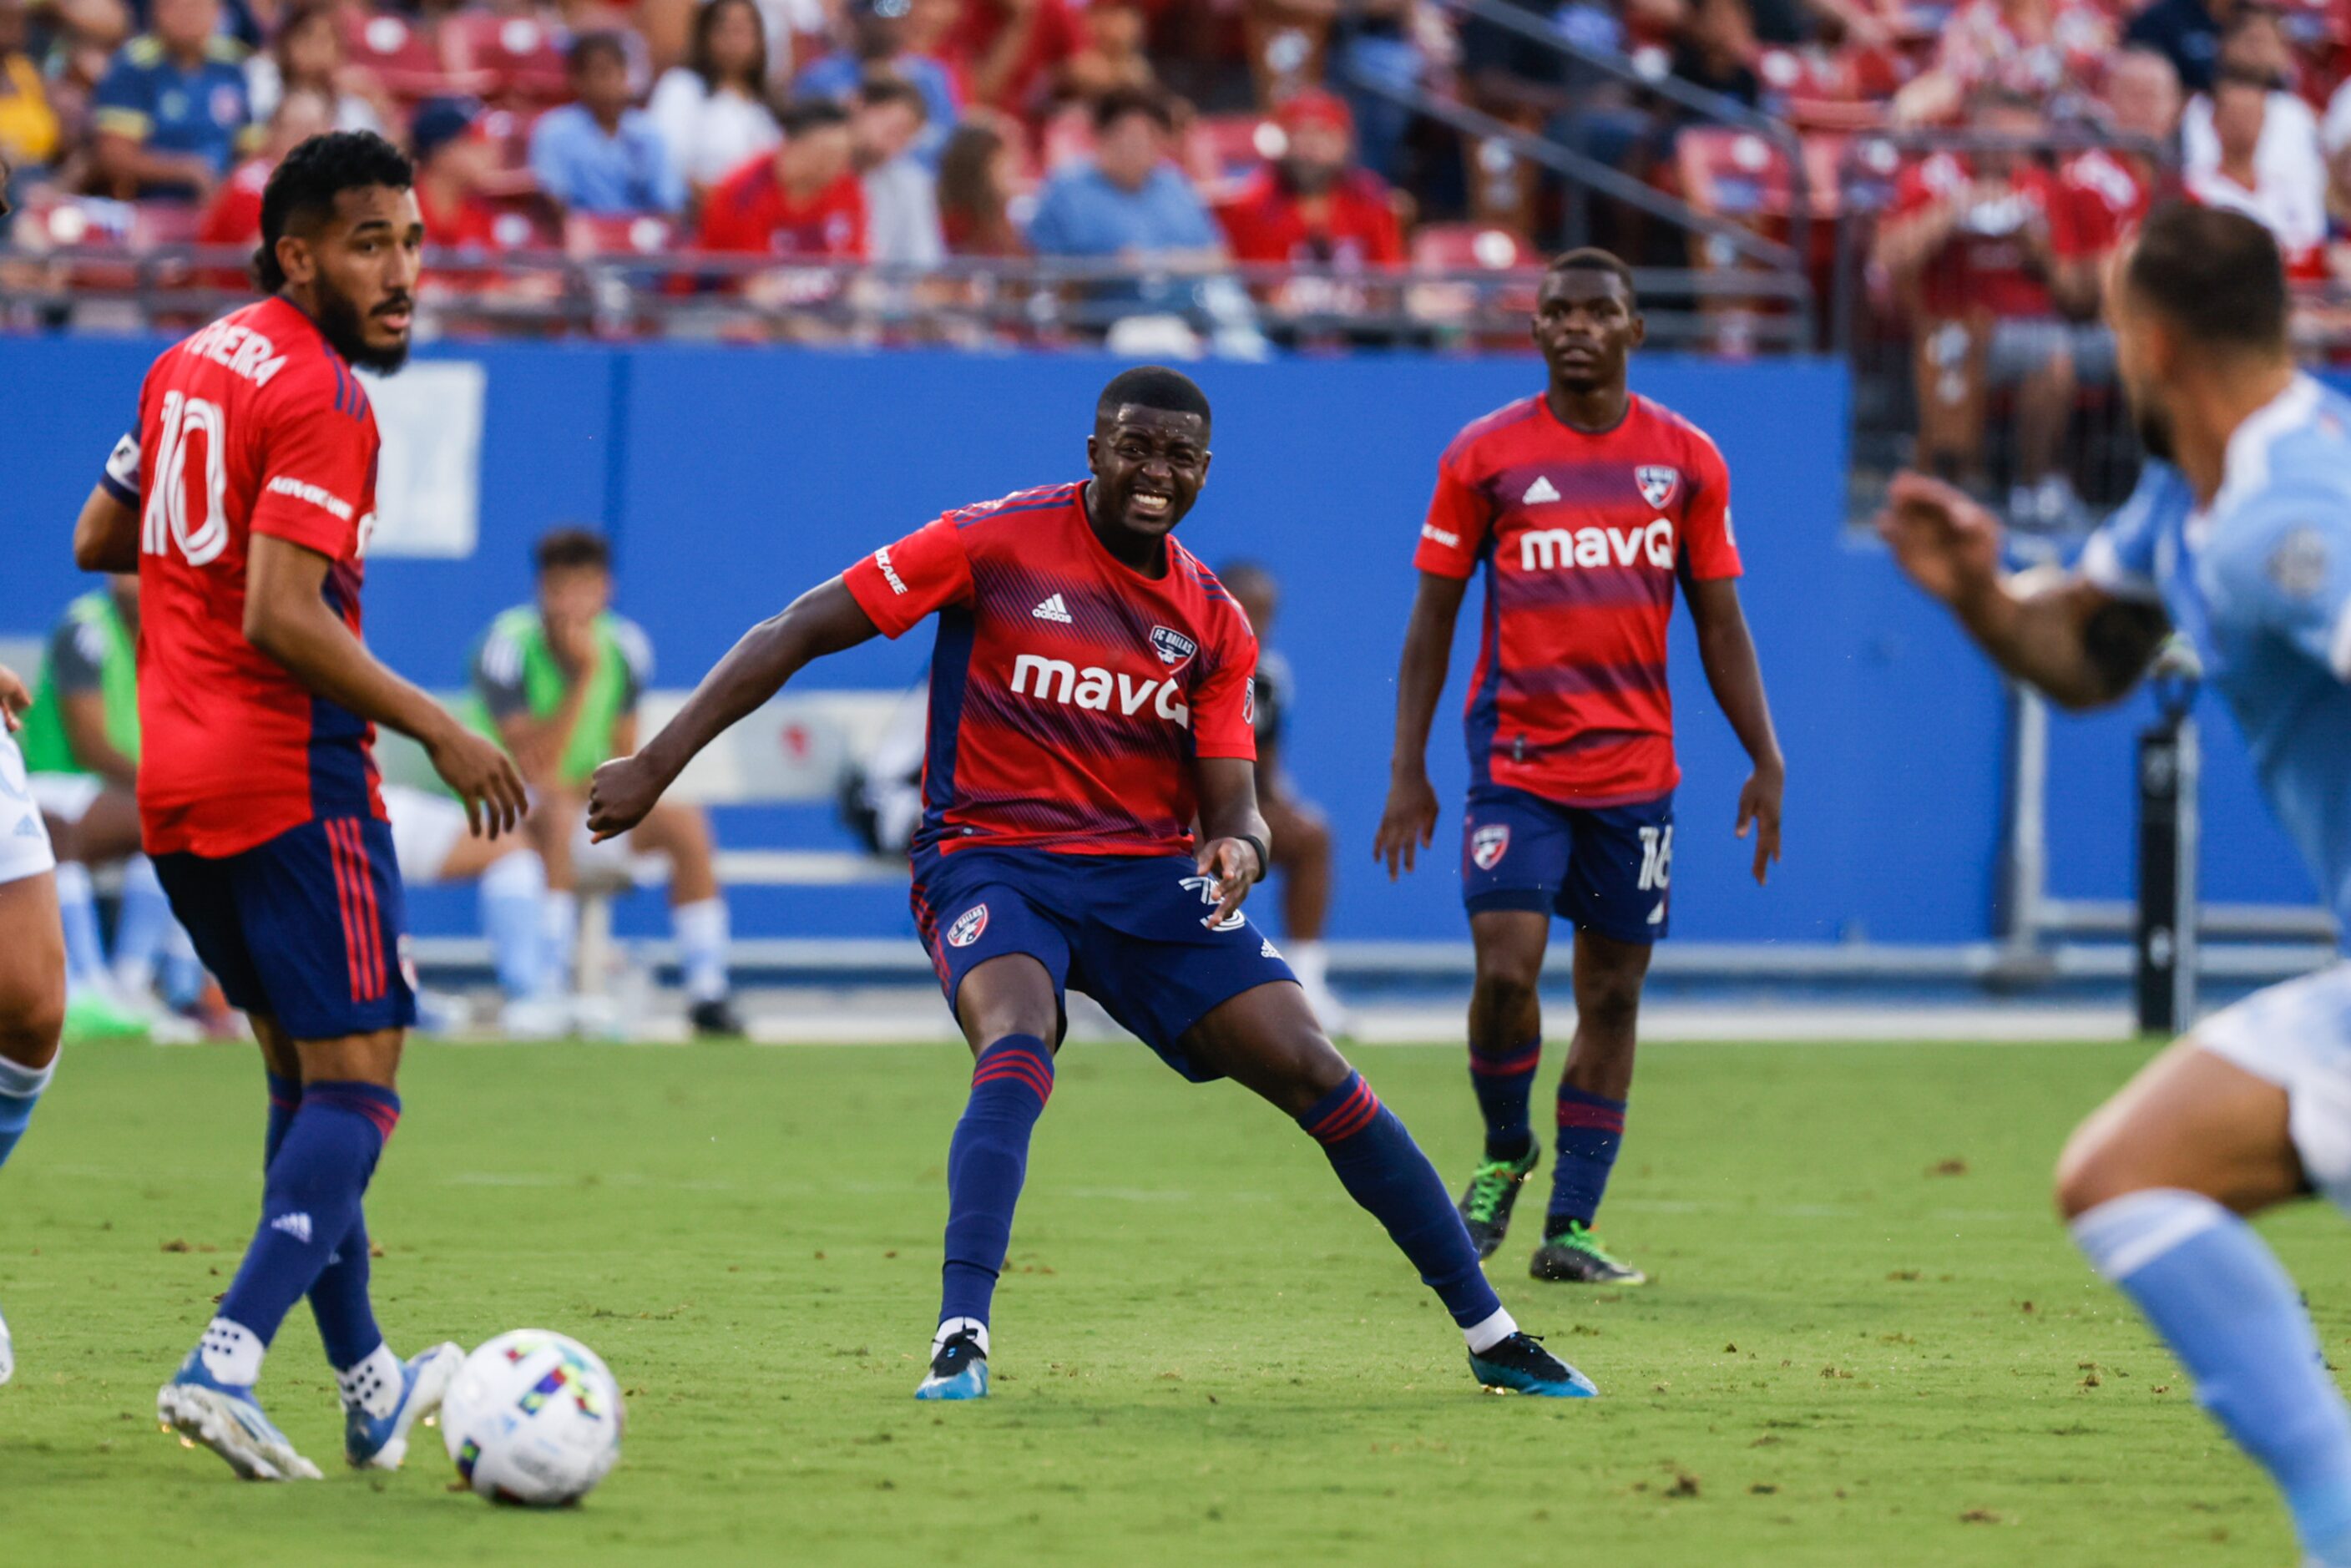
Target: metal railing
{"points": [[1031, 303]]}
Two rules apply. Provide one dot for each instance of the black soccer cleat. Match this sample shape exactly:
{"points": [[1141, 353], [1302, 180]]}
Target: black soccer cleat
{"points": [[1575, 1256], [716, 1017], [1492, 1193], [1520, 1364]]}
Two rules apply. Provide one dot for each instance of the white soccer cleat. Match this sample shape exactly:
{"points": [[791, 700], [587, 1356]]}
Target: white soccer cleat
{"points": [[227, 1421], [8, 1353], [380, 1443]]}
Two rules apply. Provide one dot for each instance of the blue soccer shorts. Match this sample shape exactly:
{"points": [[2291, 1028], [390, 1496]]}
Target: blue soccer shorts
{"points": [[1607, 869], [1125, 930], [306, 927]]}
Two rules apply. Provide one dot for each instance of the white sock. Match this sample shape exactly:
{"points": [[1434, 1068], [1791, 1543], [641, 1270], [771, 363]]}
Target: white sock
{"points": [[1309, 963], [374, 1385], [954, 1326], [701, 931], [1487, 1333], [18, 1081], [561, 913], [232, 1353]]}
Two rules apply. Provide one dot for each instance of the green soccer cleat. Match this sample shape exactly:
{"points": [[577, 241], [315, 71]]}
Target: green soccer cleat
{"points": [[91, 1015], [1575, 1256], [1493, 1191]]}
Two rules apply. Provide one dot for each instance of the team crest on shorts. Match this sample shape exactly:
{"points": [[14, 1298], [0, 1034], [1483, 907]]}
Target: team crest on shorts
{"points": [[1172, 646], [1657, 482], [967, 926], [1488, 844]]}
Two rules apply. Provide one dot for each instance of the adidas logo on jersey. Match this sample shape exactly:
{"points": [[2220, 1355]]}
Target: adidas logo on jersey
{"points": [[1052, 609], [1539, 492], [295, 1225], [28, 828]]}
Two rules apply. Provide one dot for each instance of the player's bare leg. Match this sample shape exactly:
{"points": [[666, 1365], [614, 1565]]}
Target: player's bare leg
{"points": [[336, 1081], [1267, 1041], [2152, 1186], [1505, 1048], [681, 834], [1592, 1089], [32, 1017], [1011, 1019], [1301, 857]]}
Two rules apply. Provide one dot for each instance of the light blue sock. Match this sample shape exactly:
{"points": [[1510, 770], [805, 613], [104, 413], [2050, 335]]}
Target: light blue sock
{"points": [[701, 933], [2218, 1297], [513, 895], [142, 927], [78, 910], [20, 1091]]}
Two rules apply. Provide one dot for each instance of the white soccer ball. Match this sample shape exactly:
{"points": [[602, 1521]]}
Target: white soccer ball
{"points": [[533, 1417]]}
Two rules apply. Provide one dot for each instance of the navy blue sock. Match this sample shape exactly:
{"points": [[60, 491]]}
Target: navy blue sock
{"points": [[1503, 1083], [339, 1297], [1382, 1169], [309, 1200], [987, 1163], [1590, 1128]]}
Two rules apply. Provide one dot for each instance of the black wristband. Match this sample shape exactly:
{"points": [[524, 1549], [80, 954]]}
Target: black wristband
{"points": [[1264, 857]]}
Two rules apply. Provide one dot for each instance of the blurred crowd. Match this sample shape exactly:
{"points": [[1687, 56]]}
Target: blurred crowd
{"points": [[1177, 137]]}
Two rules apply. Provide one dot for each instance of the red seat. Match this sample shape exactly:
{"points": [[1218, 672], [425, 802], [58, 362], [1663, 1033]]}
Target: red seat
{"points": [[519, 58], [621, 234], [1733, 174], [1461, 247]]}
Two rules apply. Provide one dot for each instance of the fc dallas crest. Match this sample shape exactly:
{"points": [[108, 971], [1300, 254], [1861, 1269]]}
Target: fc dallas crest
{"points": [[1657, 482], [967, 926], [1488, 844]]}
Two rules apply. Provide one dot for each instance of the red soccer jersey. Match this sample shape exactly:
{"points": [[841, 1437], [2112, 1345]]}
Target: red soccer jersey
{"points": [[253, 425], [1581, 536], [751, 211], [1070, 694]]}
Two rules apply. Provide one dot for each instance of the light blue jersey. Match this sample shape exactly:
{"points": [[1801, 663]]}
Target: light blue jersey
{"points": [[2261, 583]]}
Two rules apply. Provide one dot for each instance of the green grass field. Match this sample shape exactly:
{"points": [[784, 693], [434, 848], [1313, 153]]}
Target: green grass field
{"points": [[1868, 1344]]}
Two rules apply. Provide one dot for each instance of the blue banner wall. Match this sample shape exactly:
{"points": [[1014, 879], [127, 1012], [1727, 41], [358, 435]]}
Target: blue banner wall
{"points": [[732, 480]]}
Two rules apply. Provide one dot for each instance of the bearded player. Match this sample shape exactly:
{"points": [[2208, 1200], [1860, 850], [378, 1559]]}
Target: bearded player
{"points": [[2239, 536], [255, 461], [1089, 697], [1585, 507]]}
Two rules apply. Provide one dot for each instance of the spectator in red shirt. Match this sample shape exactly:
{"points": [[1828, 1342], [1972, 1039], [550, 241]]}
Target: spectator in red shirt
{"points": [[803, 199], [2040, 48], [453, 165], [1314, 203], [2103, 192], [1013, 52], [233, 215], [1968, 247]]}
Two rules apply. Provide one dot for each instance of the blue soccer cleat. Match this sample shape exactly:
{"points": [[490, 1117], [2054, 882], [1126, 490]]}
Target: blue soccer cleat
{"points": [[226, 1420], [380, 1442], [958, 1369], [1520, 1364]]}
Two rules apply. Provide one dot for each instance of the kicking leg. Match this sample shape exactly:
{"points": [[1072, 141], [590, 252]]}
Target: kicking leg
{"points": [[32, 1016], [1266, 1040], [1592, 1089], [1012, 1018], [2152, 1186], [1505, 1046]]}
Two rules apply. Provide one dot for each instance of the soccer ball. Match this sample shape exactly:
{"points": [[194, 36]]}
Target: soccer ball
{"points": [[532, 1417]]}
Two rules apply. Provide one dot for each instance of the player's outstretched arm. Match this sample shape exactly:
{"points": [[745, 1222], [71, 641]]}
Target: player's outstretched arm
{"points": [[286, 617], [1727, 650], [1234, 838], [106, 535], [824, 620], [1408, 823], [2078, 643]]}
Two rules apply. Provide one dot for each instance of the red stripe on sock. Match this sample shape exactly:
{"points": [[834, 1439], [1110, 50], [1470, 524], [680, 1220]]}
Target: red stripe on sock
{"points": [[1517, 1065], [1357, 1120], [1598, 1117], [1351, 1115], [1017, 1064], [343, 899]]}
